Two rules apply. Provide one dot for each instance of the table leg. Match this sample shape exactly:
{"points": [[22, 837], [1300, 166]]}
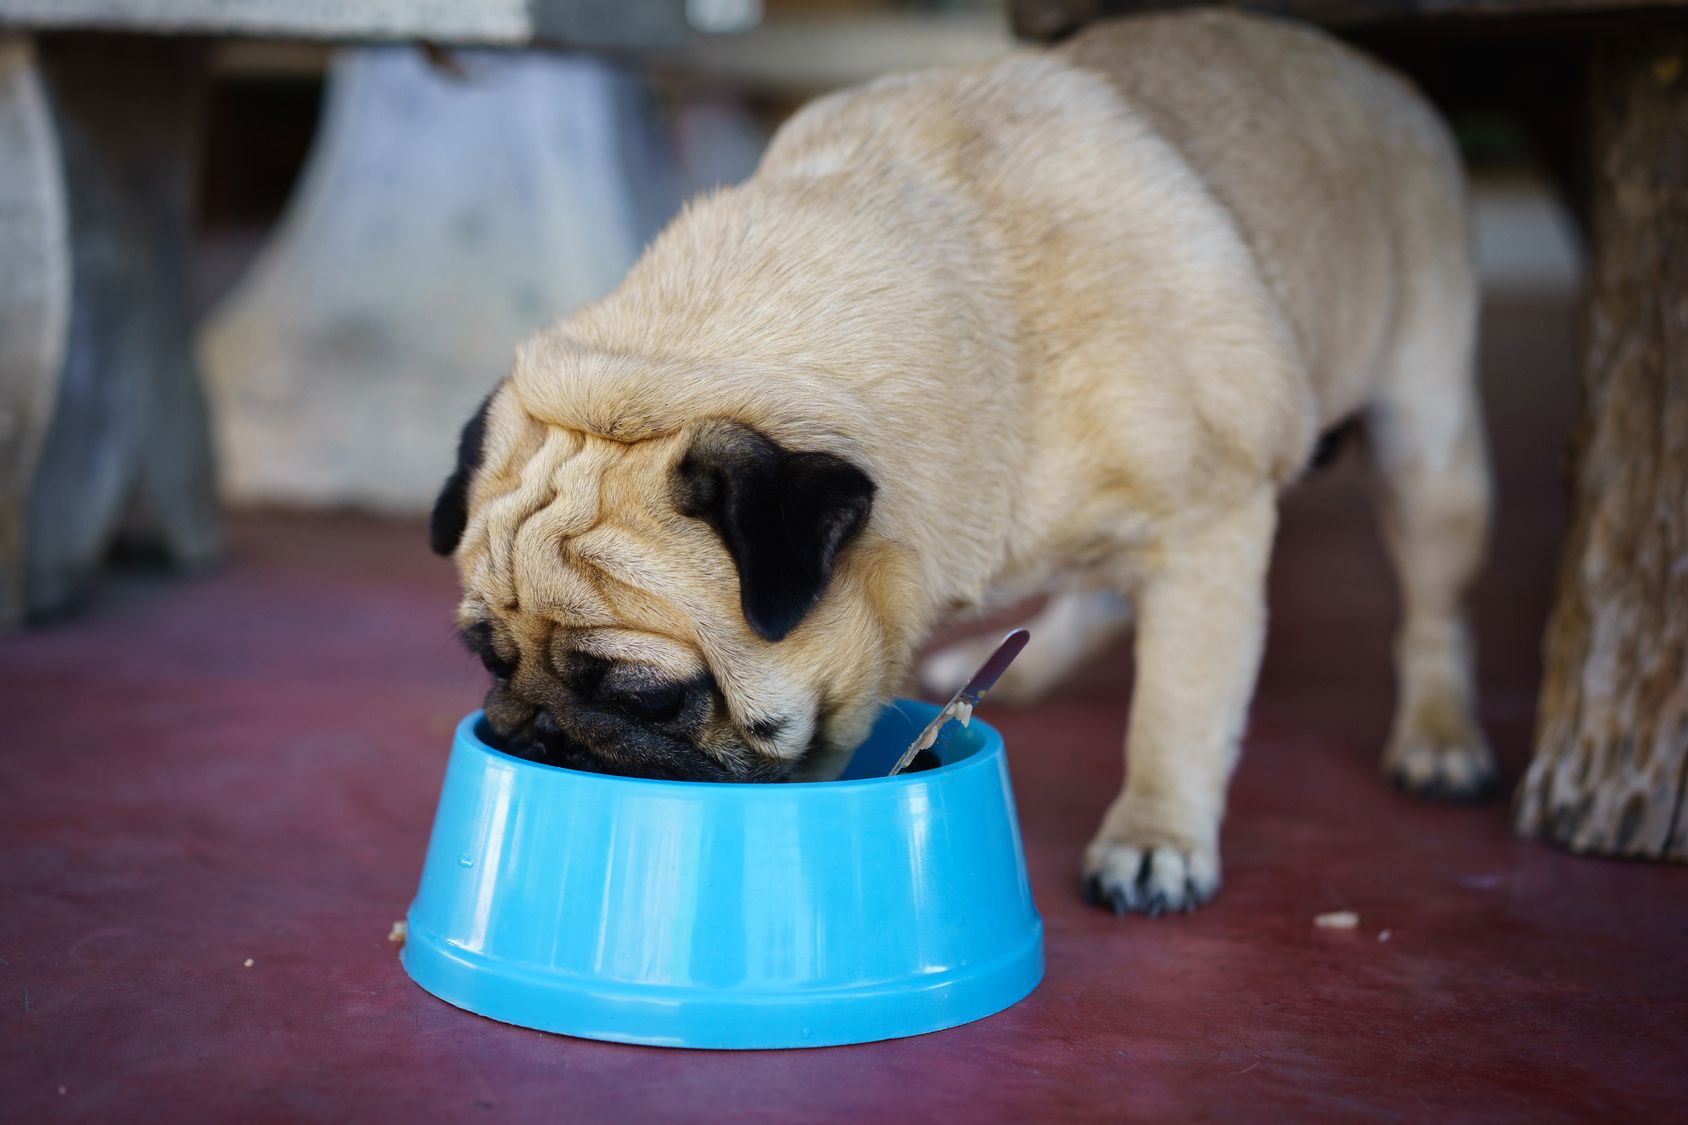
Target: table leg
{"points": [[106, 430], [1611, 754]]}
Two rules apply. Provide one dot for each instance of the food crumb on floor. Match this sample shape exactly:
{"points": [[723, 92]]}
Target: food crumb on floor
{"points": [[1337, 920], [400, 931], [248, 962]]}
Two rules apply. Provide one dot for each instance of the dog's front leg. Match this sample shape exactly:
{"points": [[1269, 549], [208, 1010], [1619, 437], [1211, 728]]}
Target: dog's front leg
{"points": [[1200, 627]]}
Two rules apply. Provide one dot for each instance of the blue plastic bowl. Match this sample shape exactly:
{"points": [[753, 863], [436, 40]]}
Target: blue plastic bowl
{"points": [[708, 915]]}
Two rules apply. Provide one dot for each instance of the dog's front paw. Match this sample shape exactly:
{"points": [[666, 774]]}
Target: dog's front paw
{"points": [[1133, 868], [1440, 753]]}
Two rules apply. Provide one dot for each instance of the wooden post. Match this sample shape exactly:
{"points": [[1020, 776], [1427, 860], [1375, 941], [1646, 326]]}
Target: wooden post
{"points": [[1611, 754]]}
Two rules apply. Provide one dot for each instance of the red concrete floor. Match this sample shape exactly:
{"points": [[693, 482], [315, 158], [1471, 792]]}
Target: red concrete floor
{"points": [[244, 767]]}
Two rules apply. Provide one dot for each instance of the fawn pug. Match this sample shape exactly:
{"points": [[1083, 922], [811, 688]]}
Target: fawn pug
{"points": [[1067, 321]]}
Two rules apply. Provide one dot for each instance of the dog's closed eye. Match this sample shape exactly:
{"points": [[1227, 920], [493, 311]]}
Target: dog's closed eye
{"points": [[478, 639]]}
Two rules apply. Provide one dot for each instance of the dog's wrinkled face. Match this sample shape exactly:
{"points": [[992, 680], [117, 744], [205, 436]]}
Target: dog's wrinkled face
{"points": [[690, 606]]}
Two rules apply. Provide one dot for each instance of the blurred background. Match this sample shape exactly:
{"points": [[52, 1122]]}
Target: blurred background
{"points": [[271, 255], [377, 226]]}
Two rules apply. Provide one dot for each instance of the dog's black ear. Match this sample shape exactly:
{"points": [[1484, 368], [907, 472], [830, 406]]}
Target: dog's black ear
{"points": [[451, 510], [783, 516]]}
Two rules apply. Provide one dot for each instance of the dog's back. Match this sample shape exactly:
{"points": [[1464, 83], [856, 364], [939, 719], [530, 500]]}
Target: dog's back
{"points": [[1344, 183], [1341, 183]]}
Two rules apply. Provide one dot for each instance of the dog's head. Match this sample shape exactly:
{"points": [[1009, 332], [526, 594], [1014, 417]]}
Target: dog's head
{"points": [[697, 605]]}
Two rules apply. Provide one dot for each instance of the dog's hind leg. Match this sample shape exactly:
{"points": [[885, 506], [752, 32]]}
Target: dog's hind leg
{"points": [[1426, 439], [1073, 627]]}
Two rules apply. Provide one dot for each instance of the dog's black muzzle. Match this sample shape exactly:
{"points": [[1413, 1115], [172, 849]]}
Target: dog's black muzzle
{"points": [[625, 724]]}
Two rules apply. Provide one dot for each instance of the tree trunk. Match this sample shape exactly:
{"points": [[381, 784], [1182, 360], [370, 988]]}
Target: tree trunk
{"points": [[1611, 754]]}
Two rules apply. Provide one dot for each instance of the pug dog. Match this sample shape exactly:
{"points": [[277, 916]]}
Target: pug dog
{"points": [[1066, 322]]}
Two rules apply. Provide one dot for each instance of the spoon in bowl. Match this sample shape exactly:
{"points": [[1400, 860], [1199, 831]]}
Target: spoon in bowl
{"points": [[961, 704]]}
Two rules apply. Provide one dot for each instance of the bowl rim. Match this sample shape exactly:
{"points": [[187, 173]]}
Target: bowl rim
{"points": [[990, 750]]}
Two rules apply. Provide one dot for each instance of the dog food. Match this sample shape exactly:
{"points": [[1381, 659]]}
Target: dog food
{"points": [[1337, 920]]}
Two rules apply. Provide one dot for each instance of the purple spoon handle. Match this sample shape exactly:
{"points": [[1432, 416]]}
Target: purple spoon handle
{"points": [[968, 697]]}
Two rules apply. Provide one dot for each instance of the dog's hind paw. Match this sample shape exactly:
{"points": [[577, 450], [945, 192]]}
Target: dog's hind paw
{"points": [[1440, 754], [1149, 878], [1442, 773]]}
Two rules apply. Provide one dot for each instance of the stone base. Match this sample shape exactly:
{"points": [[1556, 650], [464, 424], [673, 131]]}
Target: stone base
{"points": [[442, 219], [105, 432]]}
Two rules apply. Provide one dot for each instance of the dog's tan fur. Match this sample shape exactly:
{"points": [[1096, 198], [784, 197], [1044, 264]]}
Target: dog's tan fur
{"points": [[1081, 314]]}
